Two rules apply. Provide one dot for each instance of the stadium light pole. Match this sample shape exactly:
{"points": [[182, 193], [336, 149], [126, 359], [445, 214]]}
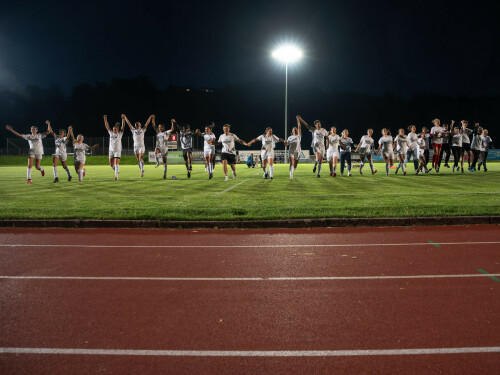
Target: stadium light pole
{"points": [[287, 54]]}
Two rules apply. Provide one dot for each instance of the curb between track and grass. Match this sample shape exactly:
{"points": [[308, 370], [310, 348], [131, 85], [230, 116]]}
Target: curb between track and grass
{"points": [[252, 224]]}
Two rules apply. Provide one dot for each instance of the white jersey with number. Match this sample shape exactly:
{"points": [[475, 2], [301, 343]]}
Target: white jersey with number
{"points": [[456, 140], [115, 141], [61, 145], [186, 139], [413, 139], [35, 142], [367, 143], [401, 143], [386, 143], [138, 135], [333, 141], [207, 147], [437, 132], [294, 143], [319, 137], [421, 147], [268, 142], [79, 150], [161, 139], [228, 146]]}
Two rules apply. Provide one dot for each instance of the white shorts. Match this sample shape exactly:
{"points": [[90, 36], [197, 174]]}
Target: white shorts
{"points": [[402, 151], [207, 153], [115, 154], [331, 153], [34, 154], [139, 149], [388, 155], [320, 147], [61, 155], [295, 154], [265, 154], [76, 162], [421, 153], [163, 151], [364, 152]]}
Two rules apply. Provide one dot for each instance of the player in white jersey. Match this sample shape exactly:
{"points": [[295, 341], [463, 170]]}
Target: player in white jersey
{"points": [[456, 148], [318, 134], [36, 148], [268, 140], [161, 147], [208, 148], [402, 145], [79, 149], [385, 145], [437, 142], [115, 144], [293, 142], [332, 152], [186, 141], [413, 150], [364, 148], [466, 143], [61, 141], [138, 135], [422, 147], [228, 156], [484, 150]]}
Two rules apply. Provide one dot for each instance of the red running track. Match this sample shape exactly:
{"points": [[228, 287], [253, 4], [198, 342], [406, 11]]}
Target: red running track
{"points": [[250, 315]]}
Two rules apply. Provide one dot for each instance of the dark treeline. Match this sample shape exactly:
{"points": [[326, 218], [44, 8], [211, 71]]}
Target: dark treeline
{"points": [[249, 108]]}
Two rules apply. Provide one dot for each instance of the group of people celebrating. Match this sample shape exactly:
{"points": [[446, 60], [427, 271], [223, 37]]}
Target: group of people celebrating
{"points": [[444, 140]]}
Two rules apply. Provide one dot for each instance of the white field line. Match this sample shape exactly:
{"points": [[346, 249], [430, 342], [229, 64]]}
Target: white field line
{"points": [[251, 353], [231, 187], [80, 246], [312, 278]]}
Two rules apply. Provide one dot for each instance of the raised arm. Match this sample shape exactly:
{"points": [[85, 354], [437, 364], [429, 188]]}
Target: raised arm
{"points": [[305, 123], [123, 124], [172, 127], [106, 122], [153, 122], [50, 129], [70, 134], [147, 122], [298, 128], [94, 146], [128, 122], [9, 128]]}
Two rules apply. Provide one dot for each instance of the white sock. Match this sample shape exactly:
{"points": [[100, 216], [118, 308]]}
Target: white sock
{"points": [[403, 167], [139, 163], [117, 170], [265, 169], [55, 171], [41, 169], [291, 171], [271, 168], [67, 171], [234, 173], [319, 168], [80, 175], [361, 165], [157, 157], [142, 166], [29, 174], [371, 165], [387, 168]]}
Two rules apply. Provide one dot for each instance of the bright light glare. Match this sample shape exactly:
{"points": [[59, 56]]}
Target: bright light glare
{"points": [[287, 53]]}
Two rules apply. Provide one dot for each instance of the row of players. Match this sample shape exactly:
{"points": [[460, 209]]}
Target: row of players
{"points": [[338, 148]]}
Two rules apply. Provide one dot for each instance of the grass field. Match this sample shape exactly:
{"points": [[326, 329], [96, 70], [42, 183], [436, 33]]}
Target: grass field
{"points": [[247, 197]]}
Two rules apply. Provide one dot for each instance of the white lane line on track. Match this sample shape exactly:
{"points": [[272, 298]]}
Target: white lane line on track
{"points": [[79, 246], [232, 187], [312, 278], [251, 353]]}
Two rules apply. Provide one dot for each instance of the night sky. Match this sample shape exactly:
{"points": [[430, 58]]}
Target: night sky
{"points": [[444, 47]]}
